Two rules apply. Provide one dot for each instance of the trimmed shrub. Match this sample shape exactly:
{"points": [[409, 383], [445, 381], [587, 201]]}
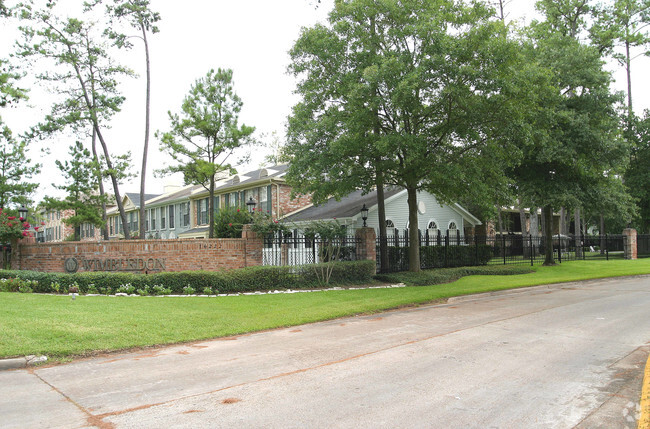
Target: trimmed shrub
{"points": [[262, 278], [447, 275]]}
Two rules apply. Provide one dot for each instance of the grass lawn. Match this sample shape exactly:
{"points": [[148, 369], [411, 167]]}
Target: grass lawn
{"points": [[61, 328]]}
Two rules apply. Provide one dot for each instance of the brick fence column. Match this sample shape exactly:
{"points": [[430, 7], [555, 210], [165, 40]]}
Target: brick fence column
{"points": [[367, 248], [253, 245], [629, 248]]}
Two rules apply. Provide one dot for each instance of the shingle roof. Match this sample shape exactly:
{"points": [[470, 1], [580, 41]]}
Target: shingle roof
{"points": [[253, 176], [348, 206], [135, 197], [185, 192]]}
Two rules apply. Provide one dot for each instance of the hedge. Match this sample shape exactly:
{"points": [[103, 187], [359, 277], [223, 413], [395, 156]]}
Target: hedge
{"points": [[446, 275], [262, 278]]}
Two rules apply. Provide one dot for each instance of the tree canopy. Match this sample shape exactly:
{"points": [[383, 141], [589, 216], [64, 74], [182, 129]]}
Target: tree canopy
{"points": [[206, 134], [416, 91]]}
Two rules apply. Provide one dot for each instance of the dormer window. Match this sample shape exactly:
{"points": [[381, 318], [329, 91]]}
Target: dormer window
{"points": [[235, 180]]}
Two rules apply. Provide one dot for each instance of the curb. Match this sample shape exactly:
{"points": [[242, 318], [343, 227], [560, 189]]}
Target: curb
{"points": [[644, 417], [21, 362], [477, 296]]}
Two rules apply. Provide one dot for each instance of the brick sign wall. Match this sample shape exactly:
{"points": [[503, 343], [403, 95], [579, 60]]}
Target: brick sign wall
{"points": [[141, 255]]}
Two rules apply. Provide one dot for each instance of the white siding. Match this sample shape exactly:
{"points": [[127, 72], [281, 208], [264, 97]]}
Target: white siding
{"points": [[397, 211]]}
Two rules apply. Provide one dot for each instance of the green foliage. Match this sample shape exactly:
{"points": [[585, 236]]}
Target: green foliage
{"points": [[637, 176], [264, 224], [250, 279], [9, 92], [206, 134], [16, 284], [82, 195], [391, 88], [229, 222], [15, 170], [76, 65], [448, 275]]}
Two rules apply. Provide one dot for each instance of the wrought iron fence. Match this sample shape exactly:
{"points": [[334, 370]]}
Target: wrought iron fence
{"points": [[293, 251], [643, 245], [454, 250]]}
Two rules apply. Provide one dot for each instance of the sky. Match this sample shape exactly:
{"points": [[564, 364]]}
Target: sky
{"points": [[251, 37]]}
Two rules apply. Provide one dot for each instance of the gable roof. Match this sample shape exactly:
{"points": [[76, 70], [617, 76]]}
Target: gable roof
{"points": [[135, 197], [347, 207]]}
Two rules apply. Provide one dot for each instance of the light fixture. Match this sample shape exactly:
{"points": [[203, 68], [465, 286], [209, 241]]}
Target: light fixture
{"points": [[251, 205], [364, 215], [22, 212]]}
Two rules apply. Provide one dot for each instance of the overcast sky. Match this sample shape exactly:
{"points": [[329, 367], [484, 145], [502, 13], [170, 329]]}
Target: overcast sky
{"points": [[252, 37]]}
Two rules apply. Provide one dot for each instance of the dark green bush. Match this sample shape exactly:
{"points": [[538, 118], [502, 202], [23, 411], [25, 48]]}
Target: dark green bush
{"points": [[250, 279], [446, 275]]}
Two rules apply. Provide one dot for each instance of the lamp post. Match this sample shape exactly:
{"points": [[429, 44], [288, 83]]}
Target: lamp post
{"points": [[22, 212], [251, 205], [364, 214]]}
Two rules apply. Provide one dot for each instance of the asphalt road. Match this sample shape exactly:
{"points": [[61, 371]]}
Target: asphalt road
{"points": [[557, 357]]}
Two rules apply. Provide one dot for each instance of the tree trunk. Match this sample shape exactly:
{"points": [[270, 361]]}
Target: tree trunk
{"points": [[562, 227], [577, 230], [602, 234], [381, 213], [522, 221], [146, 135], [500, 221], [211, 208], [534, 230], [414, 238], [100, 183], [93, 118], [548, 236]]}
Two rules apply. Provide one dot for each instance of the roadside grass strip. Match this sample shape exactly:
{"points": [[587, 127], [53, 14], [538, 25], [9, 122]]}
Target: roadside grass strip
{"points": [[644, 418], [62, 328]]}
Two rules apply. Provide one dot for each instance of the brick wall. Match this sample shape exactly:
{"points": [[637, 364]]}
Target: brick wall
{"points": [[287, 204], [142, 255]]}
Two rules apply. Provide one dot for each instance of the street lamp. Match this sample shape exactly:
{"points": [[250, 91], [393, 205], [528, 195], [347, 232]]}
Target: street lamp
{"points": [[251, 205], [364, 214], [22, 212]]}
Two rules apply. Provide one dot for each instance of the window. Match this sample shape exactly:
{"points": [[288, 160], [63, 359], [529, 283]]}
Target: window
{"points": [[215, 203], [92, 230], [226, 200], [265, 199], [172, 225], [163, 217], [390, 227], [452, 226], [185, 210], [110, 225], [152, 214], [202, 211]]}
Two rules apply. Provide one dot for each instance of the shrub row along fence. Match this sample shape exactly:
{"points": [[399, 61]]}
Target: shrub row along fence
{"points": [[456, 250], [202, 282], [290, 250]]}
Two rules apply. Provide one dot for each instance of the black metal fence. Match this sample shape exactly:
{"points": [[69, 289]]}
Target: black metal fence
{"points": [[643, 245], [291, 250], [455, 250]]}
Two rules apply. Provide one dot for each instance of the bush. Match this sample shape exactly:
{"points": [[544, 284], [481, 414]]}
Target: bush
{"points": [[262, 278], [230, 221], [446, 275]]}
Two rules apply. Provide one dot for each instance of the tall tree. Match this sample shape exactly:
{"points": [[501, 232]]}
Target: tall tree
{"points": [[206, 134], [81, 188], [409, 91], [138, 14], [15, 171], [82, 71], [574, 140], [624, 24]]}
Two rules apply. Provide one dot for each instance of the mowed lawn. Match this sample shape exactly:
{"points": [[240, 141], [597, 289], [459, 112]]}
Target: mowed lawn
{"points": [[61, 328]]}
